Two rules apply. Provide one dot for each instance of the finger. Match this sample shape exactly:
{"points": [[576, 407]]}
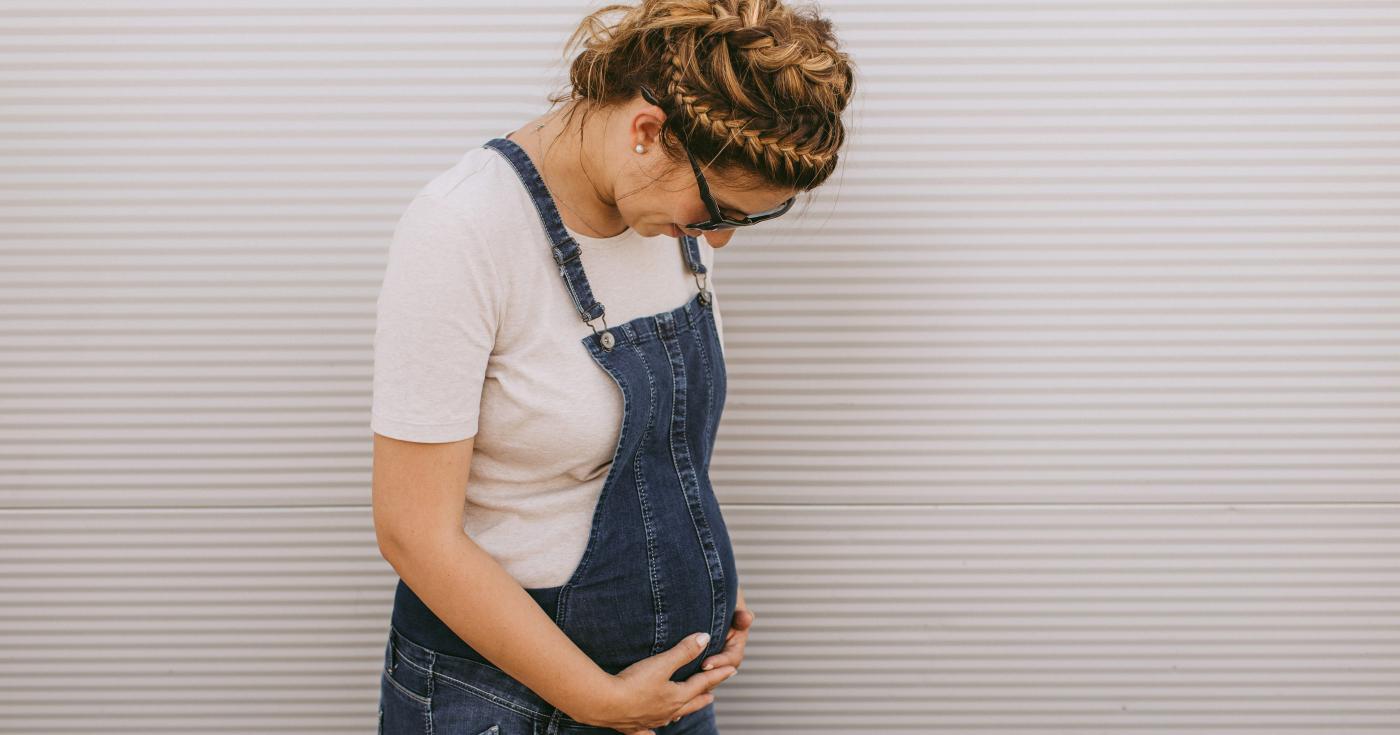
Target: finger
{"points": [[733, 670], [718, 659], [698, 702], [731, 655], [686, 651], [707, 680]]}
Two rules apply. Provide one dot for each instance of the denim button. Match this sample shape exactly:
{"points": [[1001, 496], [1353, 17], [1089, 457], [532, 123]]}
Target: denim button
{"points": [[608, 340]]}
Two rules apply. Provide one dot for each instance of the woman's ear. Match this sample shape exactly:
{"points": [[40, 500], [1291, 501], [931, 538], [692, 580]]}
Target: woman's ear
{"points": [[647, 121]]}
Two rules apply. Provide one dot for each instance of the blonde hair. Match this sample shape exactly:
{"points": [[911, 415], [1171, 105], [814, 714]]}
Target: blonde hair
{"points": [[756, 87]]}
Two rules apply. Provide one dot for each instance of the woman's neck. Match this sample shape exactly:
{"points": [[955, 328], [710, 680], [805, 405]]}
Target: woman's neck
{"points": [[578, 184]]}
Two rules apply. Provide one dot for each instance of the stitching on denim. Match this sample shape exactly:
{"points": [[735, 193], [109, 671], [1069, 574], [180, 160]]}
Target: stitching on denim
{"points": [[719, 379], [489, 697], [526, 178], [709, 382], [703, 533], [407, 692], [700, 259], [412, 663], [439, 656], [682, 319], [546, 220], [690, 246], [658, 596], [428, 714], [434, 674], [562, 602]]}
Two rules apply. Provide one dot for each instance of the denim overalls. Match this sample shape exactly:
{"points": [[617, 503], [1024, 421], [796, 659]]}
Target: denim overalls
{"points": [[658, 565]]}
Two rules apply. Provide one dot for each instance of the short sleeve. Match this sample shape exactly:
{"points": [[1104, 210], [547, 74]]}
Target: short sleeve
{"points": [[435, 326]]}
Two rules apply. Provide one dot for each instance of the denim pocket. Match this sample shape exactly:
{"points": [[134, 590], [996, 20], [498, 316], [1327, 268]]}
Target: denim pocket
{"points": [[458, 709], [407, 677], [398, 687], [405, 696]]}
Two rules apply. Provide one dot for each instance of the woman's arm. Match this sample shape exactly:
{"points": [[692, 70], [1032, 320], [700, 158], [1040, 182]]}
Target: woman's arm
{"points": [[419, 493]]}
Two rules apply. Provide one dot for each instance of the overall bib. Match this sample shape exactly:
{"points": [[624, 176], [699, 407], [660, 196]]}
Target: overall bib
{"points": [[658, 565]]}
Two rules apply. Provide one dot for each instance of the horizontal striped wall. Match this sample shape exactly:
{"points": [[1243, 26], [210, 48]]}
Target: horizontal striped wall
{"points": [[1068, 405], [918, 619]]}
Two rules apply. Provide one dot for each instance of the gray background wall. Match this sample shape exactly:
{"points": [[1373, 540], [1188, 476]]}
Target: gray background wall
{"points": [[1070, 405]]}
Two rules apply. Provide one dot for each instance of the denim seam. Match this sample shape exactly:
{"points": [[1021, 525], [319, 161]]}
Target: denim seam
{"points": [[700, 336], [546, 221], [562, 602], [679, 427], [658, 595], [393, 655], [410, 662], [489, 697]]}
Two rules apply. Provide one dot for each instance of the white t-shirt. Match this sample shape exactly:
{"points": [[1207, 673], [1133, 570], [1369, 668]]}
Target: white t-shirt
{"points": [[476, 334]]}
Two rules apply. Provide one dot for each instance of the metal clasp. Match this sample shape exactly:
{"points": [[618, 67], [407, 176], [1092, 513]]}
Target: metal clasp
{"points": [[605, 337], [560, 259], [701, 279]]}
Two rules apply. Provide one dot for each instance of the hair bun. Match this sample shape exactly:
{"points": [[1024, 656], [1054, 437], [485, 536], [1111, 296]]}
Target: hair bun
{"points": [[727, 73]]}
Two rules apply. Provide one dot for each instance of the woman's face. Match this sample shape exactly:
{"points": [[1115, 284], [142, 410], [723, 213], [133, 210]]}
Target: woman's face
{"points": [[656, 195], [664, 206]]}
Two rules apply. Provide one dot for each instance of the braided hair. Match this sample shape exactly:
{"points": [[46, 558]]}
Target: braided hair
{"points": [[756, 87]]}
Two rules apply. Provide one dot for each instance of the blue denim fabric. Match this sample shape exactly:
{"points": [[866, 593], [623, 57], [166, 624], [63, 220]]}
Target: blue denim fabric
{"points": [[658, 565], [423, 692]]}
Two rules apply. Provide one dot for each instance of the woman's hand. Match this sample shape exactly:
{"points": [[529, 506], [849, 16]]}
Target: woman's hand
{"points": [[642, 696], [722, 665], [735, 639]]}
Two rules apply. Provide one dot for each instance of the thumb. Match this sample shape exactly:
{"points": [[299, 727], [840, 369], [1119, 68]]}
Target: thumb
{"points": [[691, 646]]}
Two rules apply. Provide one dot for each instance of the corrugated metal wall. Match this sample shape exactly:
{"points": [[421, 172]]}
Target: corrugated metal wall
{"points": [[1068, 406]]}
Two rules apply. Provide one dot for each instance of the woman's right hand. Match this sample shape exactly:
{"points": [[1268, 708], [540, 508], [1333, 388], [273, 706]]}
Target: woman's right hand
{"points": [[643, 695]]}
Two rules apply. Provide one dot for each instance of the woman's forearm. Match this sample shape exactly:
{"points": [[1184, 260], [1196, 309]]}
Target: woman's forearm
{"points": [[486, 607]]}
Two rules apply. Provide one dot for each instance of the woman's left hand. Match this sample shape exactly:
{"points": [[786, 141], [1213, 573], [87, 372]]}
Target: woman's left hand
{"points": [[735, 639]]}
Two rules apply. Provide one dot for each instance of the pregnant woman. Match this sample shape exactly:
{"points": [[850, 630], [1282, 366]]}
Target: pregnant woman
{"points": [[541, 463]]}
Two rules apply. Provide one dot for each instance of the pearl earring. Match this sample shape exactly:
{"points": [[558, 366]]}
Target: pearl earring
{"points": [[640, 149]]}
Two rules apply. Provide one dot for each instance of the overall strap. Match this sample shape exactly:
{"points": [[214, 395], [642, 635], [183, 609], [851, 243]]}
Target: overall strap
{"points": [[690, 246], [565, 248]]}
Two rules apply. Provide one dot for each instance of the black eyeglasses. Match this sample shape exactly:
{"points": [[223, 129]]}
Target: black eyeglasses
{"points": [[717, 220]]}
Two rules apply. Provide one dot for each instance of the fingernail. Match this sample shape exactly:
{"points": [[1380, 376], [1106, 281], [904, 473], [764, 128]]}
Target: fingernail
{"points": [[707, 667], [702, 638]]}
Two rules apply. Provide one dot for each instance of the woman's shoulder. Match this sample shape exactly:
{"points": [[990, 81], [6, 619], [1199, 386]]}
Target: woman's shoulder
{"points": [[479, 185], [478, 204]]}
